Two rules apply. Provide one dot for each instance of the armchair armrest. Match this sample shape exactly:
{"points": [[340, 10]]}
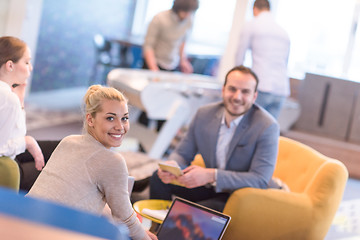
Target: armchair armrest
{"points": [[268, 214]]}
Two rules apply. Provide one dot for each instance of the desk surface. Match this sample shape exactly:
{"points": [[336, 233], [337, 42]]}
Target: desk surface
{"points": [[192, 49], [171, 96], [145, 87]]}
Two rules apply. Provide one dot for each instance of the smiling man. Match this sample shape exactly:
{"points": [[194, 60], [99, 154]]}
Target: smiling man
{"points": [[237, 139]]}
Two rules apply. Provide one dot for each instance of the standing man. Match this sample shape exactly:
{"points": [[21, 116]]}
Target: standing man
{"points": [[166, 35], [270, 46], [237, 140]]}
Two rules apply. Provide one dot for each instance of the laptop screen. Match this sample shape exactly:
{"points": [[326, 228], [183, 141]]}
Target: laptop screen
{"points": [[188, 220]]}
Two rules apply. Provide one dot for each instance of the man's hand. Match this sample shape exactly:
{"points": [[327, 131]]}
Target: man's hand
{"points": [[149, 58], [35, 151], [167, 177], [185, 66], [195, 176]]}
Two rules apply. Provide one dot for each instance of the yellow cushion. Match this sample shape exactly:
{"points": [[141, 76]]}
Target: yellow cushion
{"points": [[9, 173], [198, 160]]}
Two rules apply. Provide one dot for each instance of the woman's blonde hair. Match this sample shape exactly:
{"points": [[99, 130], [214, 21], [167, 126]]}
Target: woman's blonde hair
{"points": [[95, 95]]}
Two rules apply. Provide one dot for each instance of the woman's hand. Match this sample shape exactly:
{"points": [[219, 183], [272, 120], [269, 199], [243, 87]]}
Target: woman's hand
{"points": [[19, 90], [33, 147]]}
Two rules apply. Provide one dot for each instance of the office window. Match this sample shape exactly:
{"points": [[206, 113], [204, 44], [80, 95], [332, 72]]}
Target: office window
{"points": [[324, 34], [211, 27], [324, 37]]}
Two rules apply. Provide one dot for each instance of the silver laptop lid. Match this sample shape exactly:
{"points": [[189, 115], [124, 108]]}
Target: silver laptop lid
{"points": [[188, 220]]}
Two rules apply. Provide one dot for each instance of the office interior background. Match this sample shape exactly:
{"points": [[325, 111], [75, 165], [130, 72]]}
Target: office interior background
{"points": [[325, 41], [324, 34]]}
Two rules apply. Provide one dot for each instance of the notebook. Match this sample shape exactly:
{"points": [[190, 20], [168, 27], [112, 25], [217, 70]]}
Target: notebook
{"points": [[188, 220]]}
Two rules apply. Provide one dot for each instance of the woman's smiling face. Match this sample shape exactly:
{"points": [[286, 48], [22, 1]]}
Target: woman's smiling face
{"points": [[110, 124]]}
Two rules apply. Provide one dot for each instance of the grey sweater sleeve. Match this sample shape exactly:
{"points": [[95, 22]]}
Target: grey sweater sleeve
{"points": [[109, 172]]}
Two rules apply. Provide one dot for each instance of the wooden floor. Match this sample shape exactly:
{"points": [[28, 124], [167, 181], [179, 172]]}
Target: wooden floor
{"points": [[348, 153]]}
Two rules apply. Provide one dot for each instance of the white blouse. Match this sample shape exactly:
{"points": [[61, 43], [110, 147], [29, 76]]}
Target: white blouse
{"points": [[12, 123]]}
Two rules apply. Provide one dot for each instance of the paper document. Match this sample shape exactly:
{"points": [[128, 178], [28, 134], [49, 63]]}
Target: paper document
{"points": [[159, 214]]}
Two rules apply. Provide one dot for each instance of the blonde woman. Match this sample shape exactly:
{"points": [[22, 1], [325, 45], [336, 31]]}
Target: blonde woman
{"points": [[83, 171]]}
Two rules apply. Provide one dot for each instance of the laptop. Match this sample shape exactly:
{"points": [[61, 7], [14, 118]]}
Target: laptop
{"points": [[188, 220]]}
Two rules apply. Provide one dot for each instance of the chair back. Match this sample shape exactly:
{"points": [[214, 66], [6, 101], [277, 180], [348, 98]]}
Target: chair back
{"points": [[297, 164], [321, 178], [21, 215], [9, 173], [316, 184]]}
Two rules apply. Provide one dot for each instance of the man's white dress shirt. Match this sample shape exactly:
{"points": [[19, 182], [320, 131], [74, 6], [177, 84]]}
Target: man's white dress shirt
{"points": [[270, 46], [224, 138]]}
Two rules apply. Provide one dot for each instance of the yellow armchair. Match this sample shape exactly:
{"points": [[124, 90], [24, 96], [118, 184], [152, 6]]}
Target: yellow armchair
{"points": [[316, 185], [9, 173]]}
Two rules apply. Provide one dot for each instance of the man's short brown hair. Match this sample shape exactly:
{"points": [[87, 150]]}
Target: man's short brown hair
{"points": [[262, 4], [245, 70], [185, 5]]}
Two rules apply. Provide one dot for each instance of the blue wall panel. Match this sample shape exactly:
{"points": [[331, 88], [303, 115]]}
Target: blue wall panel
{"points": [[65, 51]]}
